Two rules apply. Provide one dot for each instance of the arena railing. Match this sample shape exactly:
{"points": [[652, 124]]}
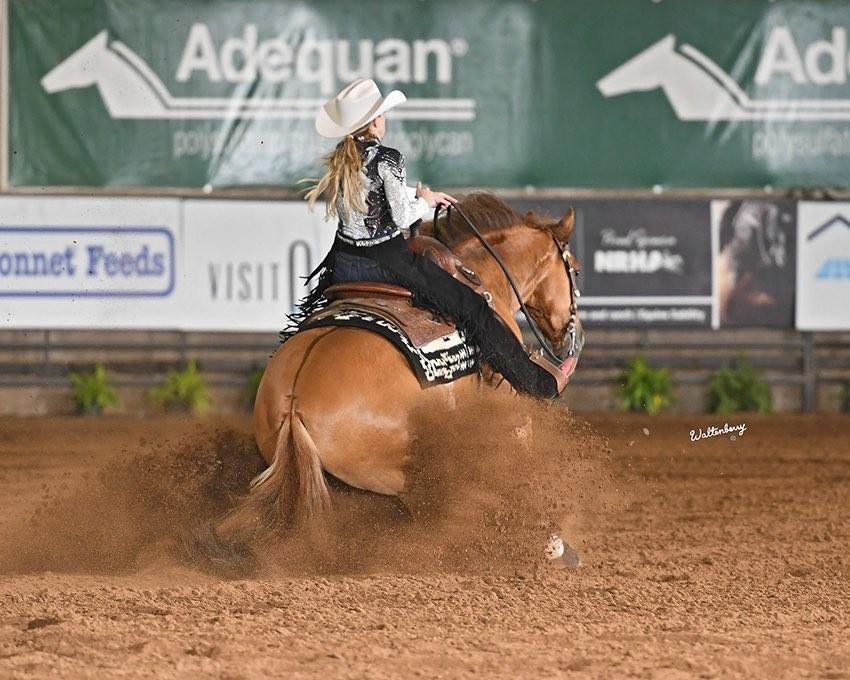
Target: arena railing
{"points": [[806, 361]]}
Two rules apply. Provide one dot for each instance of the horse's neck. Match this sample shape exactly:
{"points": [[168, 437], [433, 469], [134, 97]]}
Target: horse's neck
{"points": [[517, 251]]}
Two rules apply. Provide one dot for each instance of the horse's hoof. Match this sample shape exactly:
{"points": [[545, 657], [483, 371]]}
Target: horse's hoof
{"points": [[204, 549], [561, 555]]}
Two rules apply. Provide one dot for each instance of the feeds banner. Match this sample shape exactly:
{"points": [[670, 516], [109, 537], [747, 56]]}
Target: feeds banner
{"points": [[154, 263], [506, 93]]}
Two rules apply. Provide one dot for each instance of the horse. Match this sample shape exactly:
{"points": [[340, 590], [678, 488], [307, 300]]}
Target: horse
{"points": [[338, 401]]}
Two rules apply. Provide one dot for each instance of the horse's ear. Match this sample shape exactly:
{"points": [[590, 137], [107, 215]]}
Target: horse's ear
{"points": [[564, 227]]}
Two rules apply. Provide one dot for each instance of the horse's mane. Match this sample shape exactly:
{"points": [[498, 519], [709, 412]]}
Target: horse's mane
{"points": [[490, 214]]}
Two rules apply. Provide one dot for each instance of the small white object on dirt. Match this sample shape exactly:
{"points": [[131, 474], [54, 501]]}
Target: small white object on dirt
{"points": [[554, 548], [646, 431], [208, 188]]}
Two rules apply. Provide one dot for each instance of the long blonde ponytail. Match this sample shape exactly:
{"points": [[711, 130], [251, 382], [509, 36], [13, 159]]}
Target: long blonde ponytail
{"points": [[344, 165]]}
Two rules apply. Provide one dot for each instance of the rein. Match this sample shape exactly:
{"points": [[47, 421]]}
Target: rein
{"points": [[544, 344]]}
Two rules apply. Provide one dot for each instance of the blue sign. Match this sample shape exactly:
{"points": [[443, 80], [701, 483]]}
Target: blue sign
{"points": [[86, 262]]}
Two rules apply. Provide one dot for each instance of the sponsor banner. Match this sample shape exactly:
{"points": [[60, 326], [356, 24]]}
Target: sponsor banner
{"points": [[247, 260], [86, 261], [823, 266], [89, 263], [590, 93], [755, 246], [644, 263], [154, 263], [216, 93]]}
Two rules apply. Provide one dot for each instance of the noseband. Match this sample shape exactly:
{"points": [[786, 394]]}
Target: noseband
{"points": [[572, 274]]}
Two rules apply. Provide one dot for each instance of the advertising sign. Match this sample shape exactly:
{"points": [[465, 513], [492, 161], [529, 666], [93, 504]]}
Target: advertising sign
{"points": [[755, 245], [246, 261], [823, 266], [645, 263], [89, 263], [155, 263], [506, 93], [225, 94], [86, 261]]}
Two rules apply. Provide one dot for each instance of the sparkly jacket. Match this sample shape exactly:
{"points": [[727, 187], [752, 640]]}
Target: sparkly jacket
{"points": [[391, 203]]}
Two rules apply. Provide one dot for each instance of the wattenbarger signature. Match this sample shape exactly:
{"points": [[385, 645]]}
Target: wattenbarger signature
{"points": [[712, 431]]}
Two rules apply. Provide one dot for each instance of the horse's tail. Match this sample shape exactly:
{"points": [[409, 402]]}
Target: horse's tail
{"points": [[292, 490]]}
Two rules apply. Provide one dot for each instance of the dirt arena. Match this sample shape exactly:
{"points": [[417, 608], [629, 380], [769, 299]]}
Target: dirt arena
{"points": [[716, 558]]}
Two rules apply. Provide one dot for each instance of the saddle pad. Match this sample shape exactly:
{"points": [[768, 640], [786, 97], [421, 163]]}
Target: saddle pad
{"points": [[419, 325], [439, 361]]}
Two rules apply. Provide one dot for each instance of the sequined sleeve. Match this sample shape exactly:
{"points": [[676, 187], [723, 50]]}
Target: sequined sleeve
{"points": [[405, 211]]}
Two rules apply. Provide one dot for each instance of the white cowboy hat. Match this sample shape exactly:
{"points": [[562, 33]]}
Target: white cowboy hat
{"points": [[355, 106]]}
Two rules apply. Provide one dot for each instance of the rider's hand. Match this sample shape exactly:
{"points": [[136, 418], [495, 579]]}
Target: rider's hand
{"points": [[433, 198]]}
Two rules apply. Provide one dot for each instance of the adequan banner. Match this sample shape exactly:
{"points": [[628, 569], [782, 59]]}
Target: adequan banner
{"points": [[508, 93]]}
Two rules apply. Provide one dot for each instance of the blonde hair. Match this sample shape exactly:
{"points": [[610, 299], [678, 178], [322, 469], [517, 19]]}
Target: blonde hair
{"points": [[343, 174]]}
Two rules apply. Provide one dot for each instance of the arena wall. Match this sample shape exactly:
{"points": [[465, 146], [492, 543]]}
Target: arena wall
{"points": [[805, 371], [239, 241]]}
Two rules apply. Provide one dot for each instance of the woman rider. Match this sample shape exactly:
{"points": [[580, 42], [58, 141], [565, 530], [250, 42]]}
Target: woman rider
{"points": [[365, 187]]}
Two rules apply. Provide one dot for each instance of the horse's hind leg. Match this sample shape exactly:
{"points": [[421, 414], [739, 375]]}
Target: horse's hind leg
{"points": [[349, 502], [278, 387]]}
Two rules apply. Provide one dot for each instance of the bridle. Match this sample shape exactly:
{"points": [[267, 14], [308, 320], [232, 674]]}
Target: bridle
{"points": [[574, 346]]}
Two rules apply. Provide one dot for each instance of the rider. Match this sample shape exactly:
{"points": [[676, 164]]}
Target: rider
{"points": [[365, 187]]}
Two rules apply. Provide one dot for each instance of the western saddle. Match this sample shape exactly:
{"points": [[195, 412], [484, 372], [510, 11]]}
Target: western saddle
{"points": [[394, 302]]}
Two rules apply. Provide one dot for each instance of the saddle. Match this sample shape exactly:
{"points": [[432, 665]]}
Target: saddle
{"points": [[394, 302]]}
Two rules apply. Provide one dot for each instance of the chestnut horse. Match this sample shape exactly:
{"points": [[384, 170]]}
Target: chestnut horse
{"points": [[339, 400]]}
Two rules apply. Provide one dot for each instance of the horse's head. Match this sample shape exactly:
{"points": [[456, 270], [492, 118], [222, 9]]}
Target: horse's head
{"points": [[553, 302], [537, 254], [642, 72], [79, 69]]}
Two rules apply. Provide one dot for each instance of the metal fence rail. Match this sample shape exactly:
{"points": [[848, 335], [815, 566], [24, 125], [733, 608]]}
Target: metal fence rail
{"points": [[141, 359]]}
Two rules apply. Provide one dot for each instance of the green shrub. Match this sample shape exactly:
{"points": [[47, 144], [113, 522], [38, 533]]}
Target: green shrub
{"points": [[92, 391], [739, 389], [645, 388], [845, 398], [183, 391], [254, 378]]}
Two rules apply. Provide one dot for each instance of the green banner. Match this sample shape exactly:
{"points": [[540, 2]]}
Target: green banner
{"points": [[509, 93]]}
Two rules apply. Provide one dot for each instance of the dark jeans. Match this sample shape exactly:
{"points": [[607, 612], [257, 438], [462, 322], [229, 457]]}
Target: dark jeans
{"points": [[436, 290], [348, 267]]}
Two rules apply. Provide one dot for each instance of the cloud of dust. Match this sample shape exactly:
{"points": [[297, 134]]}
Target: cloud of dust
{"points": [[138, 503], [486, 485]]}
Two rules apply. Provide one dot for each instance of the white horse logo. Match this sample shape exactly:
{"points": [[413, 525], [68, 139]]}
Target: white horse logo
{"points": [[130, 89], [698, 89]]}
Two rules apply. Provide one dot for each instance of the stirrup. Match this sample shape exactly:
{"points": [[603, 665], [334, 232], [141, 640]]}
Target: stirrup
{"points": [[561, 379]]}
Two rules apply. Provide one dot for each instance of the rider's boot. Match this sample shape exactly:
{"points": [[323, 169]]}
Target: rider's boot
{"points": [[507, 356]]}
